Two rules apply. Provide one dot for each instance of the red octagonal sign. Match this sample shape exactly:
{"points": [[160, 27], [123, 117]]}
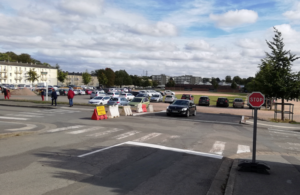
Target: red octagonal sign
{"points": [[256, 99]]}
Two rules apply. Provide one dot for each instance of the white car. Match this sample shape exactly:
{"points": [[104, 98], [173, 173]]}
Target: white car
{"points": [[76, 92], [170, 98], [128, 96], [99, 100], [168, 92], [81, 92], [96, 93], [113, 94], [145, 92]]}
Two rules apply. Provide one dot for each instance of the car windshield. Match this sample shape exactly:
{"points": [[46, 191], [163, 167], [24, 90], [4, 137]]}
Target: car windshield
{"points": [[136, 100], [238, 100], [169, 96], [106, 98], [98, 98], [109, 93], [115, 99], [140, 95], [221, 99], [203, 98], [185, 96], [155, 96], [180, 102]]}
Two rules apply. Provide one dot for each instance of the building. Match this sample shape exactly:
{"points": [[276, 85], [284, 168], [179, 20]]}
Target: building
{"points": [[75, 78], [15, 73], [161, 79], [187, 79]]}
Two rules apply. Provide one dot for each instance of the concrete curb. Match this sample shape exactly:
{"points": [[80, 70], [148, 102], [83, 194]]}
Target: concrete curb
{"points": [[231, 181], [218, 184], [28, 106]]}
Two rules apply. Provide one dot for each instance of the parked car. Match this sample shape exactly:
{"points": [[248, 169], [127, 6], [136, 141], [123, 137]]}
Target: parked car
{"points": [[139, 100], [204, 100], [170, 98], [128, 96], [187, 97], [76, 92], [88, 91], [142, 95], [121, 101], [96, 93], [50, 92], [63, 91], [156, 98], [144, 92], [99, 100], [168, 92], [135, 93], [81, 92], [161, 93], [113, 94], [182, 107], [222, 101], [108, 90], [238, 103]]}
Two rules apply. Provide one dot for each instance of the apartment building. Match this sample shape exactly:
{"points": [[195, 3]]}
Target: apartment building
{"points": [[16, 73], [162, 79], [187, 79], [75, 78]]}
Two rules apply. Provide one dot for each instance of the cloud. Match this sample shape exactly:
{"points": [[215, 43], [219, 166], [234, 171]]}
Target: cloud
{"points": [[82, 7], [232, 19], [199, 45], [294, 14]]}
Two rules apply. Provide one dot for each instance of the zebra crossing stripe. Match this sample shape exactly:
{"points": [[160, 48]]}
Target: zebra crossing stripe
{"points": [[218, 148], [65, 128], [104, 133], [243, 149], [147, 137], [84, 130], [13, 118], [124, 135]]}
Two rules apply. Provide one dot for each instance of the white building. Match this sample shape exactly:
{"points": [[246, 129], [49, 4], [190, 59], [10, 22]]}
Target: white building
{"points": [[15, 73], [161, 79]]}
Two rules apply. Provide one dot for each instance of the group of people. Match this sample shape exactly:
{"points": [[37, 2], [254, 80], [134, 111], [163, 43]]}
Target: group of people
{"points": [[6, 92], [71, 95]]}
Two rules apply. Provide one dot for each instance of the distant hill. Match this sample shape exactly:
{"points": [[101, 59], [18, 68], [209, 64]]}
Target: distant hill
{"points": [[24, 58]]}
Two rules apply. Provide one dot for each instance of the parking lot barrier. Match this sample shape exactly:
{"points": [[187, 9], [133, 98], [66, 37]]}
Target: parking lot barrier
{"points": [[113, 112], [150, 108], [139, 108], [144, 107], [126, 111], [95, 115]]}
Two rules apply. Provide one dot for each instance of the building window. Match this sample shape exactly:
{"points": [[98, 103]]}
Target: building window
{"points": [[10, 74], [10, 80]]}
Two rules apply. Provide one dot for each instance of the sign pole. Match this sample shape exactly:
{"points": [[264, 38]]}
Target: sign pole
{"points": [[254, 136]]}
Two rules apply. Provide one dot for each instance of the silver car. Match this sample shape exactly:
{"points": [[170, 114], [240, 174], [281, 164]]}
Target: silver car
{"points": [[121, 101], [99, 100], [113, 94], [238, 103], [96, 93], [170, 98], [156, 98]]}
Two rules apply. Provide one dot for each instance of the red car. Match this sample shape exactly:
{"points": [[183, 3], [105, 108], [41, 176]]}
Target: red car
{"points": [[88, 91], [187, 97]]}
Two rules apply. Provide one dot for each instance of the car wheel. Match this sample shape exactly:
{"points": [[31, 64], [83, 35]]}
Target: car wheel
{"points": [[168, 114], [195, 113], [243, 107], [187, 113]]}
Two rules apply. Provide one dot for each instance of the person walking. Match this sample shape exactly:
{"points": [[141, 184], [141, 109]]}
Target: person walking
{"points": [[5, 93], [8, 93], [71, 95], [54, 96], [42, 94]]}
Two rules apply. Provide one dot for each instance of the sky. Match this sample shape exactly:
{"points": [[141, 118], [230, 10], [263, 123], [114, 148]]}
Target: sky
{"points": [[207, 38]]}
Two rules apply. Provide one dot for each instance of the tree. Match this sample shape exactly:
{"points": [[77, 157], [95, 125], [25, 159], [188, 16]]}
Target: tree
{"points": [[275, 77], [155, 83], [102, 79], [233, 85], [61, 76], [122, 78], [136, 80], [170, 83], [86, 77], [215, 83], [228, 79], [237, 80], [32, 75], [110, 75], [218, 80]]}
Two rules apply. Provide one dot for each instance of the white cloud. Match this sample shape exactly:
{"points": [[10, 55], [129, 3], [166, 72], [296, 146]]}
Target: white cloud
{"points": [[294, 14], [82, 7], [199, 45], [232, 19]]}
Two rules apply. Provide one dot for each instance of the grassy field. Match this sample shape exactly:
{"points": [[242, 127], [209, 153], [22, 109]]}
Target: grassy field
{"points": [[213, 99]]}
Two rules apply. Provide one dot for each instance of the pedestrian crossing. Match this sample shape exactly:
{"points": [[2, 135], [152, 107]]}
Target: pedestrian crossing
{"points": [[37, 114], [118, 135]]}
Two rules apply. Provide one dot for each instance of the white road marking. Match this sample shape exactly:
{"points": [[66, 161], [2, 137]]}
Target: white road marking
{"points": [[158, 147], [65, 128], [105, 132], [124, 135], [294, 144], [28, 127], [271, 125], [218, 148], [147, 137], [289, 134], [284, 131], [243, 149], [171, 137], [13, 118], [26, 115], [84, 130]]}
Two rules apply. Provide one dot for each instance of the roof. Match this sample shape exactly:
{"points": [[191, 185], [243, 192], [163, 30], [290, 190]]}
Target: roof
{"points": [[24, 64]]}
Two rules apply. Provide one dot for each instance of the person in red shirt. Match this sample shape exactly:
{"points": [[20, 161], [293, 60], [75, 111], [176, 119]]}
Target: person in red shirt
{"points": [[71, 95]]}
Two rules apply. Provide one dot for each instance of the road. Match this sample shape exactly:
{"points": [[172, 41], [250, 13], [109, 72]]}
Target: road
{"points": [[62, 151]]}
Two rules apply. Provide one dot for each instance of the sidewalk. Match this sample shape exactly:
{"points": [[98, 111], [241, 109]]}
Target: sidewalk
{"points": [[267, 124], [284, 177]]}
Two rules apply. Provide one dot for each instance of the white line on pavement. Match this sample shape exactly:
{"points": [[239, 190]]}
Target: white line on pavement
{"points": [[13, 118], [243, 149], [27, 115], [105, 132], [218, 148], [147, 137], [28, 127], [289, 134], [124, 135], [284, 131], [84, 130], [65, 128], [157, 147], [272, 125]]}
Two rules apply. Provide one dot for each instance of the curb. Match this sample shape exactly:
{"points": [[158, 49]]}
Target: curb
{"points": [[143, 113], [231, 180], [271, 125]]}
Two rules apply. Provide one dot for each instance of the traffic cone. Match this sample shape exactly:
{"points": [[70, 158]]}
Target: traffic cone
{"points": [[95, 115], [144, 107]]}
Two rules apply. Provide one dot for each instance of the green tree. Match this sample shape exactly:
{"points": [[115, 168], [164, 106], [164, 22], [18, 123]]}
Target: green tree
{"points": [[136, 80], [218, 80], [32, 75], [215, 83], [122, 78], [110, 75], [155, 83], [101, 76], [25, 58], [170, 83], [233, 85], [237, 80], [86, 77], [61, 76], [275, 77], [228, 79]]}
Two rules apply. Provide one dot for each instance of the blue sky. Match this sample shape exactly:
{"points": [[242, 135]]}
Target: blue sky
{"points": [[173, 37]]}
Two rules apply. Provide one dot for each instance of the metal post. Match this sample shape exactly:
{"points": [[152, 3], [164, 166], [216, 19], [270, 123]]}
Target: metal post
{"points": [[254, 135], [46, 91]]}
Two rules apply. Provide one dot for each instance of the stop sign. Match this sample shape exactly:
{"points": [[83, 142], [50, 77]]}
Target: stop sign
{"points": [[256, 99]]}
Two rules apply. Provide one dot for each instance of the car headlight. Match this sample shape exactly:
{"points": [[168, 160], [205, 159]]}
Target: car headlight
{"points": [[184, 109]]}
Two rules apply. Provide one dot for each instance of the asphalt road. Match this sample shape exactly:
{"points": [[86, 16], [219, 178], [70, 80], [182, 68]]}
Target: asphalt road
{"points": [[65, 152]]}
